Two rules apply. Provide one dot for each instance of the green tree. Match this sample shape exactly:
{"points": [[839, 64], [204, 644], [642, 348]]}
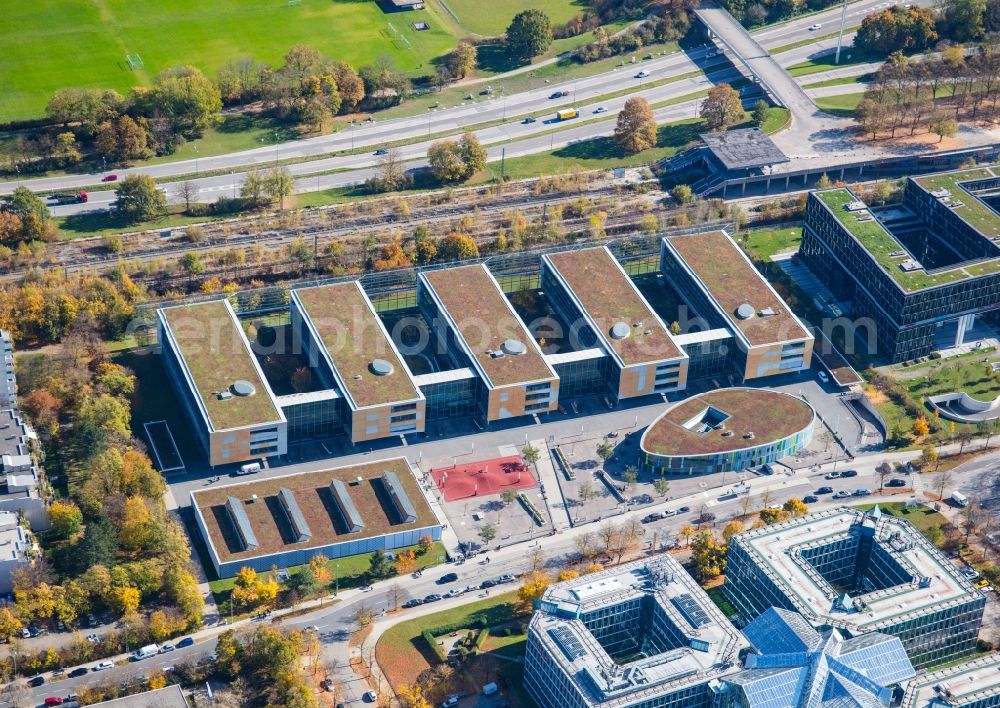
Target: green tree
{"points": [[722, 107], [897, 28], [66, 518], [457, 247], [509, 495], [32, 212], [528, 35], [253, 188], [278, 183], [188, 98], [122, 139], [961, 20], [530, 454], [379, 565], [473, 153], [191, 263], [943, 125], [605, 450], [462, 61], [487, 532], [682, 194], [138, 199], [99, 545], [630, 476], [661, 486], [760, 113], [708, 555], [446, 161], [228, 652], [635, 129], [824, 182]]}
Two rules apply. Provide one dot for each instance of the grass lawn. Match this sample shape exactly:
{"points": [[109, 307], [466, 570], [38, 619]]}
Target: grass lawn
{"points": [[721, 601], [491, 18], [840, 105], [843, 81], [50, 44], [402, 652], [764, 243], [923, 517], [346, 572], [824, 62], [972, 377]]}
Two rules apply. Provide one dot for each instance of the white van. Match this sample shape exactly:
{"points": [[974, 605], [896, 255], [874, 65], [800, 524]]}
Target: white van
{"points": [[146, 652], [959, 498], [489, 689], [249, 468]]}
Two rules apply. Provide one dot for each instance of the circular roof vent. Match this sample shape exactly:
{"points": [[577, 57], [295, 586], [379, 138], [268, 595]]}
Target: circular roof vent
{"points": [[243, 388], [745, 311], [381, 367], [620, 330], [513, 347]]}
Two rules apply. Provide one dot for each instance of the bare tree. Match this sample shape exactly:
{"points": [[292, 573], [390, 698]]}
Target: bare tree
{"points": [[883, 471], [188, 191], [941, 481], [362, 616], [585, 545], [396, 595]]}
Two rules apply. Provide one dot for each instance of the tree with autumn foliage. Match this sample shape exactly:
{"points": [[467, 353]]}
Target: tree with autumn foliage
{"points": [[635, 129], [533, 586]]}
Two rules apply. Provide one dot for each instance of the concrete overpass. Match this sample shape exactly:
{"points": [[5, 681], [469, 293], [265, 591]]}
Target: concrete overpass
{"points": [[776, 81]]}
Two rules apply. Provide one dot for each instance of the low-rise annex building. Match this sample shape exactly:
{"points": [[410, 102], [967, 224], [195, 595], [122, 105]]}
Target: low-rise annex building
{"points": [[286, 521], [726, 430], [971, 684]]}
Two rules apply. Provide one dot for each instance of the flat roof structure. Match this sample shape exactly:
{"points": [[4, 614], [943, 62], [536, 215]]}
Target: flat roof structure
{"points": [[241, 524], [782, 550], [296, 518], [952, 192], [317, 505], [744, 148], [219, 366], [636, 632], [973, 683], [726, 420], [494, 337], [367, 365], [168, 697], [609, 299], [345, 507], [745, 298]]}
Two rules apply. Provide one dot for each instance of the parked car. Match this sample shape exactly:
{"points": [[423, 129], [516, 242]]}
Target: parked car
{"points": [[506, 578], [650, 518], [810, 499], [93, 638], [36, 681], [415, 602], [821, 375], [25, 633], [683, 510], [970, 573], [842, 494], [824, 490], [487, 584], [101, 666], [186, 642], [167, 648], [862, 492], [371, 696], [450, 702], [447, 578], [54, 701], [896, 482], [454, 592], [76, 673], [433, 597], [849, 473], [109, 178], [982, 584], [312, 628], [833, 475]]}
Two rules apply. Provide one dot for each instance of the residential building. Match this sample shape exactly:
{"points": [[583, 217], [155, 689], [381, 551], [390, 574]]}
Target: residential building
{"points": [[859, 572], [8, 382], [918, 274], [19, 478], [15, 548], [167, 697], [641, 634]]}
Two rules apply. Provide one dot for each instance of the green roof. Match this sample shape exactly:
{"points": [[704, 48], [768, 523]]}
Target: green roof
{"points": [[609, 296], [880, 243], [485, 320], [769, 415], [353, 337], [217, 355], [973, 211]]}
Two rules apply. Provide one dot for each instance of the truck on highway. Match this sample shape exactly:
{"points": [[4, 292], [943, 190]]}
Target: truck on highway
{"points": [[78, 198], [567, 114]]}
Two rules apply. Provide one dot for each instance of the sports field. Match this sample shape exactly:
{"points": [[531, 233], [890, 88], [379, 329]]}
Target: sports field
{"points": [[491, 17], [50, 44]]}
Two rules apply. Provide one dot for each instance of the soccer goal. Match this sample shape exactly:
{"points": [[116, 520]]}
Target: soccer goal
{"points": [[134, 61]]}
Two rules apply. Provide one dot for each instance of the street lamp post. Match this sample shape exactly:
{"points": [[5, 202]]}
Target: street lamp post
{"points": [[196, 170], [336, 579], [840, 35]]}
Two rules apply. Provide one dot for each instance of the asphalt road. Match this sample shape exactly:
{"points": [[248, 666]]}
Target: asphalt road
{"points": [[454, 119]]}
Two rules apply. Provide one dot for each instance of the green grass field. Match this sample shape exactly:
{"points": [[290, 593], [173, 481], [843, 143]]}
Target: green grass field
{"points": [[491, 18], [50, 44]]}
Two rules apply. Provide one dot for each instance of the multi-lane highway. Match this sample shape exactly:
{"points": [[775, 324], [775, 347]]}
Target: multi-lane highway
{"points": [[451, 120]]}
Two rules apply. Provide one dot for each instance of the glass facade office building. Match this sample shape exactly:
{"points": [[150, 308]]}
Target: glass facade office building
{"points": [[858, 572]]}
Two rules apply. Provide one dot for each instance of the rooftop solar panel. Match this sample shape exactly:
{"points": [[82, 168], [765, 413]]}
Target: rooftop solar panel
{"points": [[691, 610], [568, 642]]}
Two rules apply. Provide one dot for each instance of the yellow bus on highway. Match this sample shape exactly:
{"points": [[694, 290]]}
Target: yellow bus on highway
{"points": [[567, 114]]}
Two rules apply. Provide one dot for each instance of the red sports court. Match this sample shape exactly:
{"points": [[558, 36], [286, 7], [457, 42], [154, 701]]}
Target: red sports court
{"points": [[483, 478]]}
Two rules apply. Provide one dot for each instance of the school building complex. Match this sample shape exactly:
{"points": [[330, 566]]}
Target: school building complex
{"points": [[385, 355]]}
